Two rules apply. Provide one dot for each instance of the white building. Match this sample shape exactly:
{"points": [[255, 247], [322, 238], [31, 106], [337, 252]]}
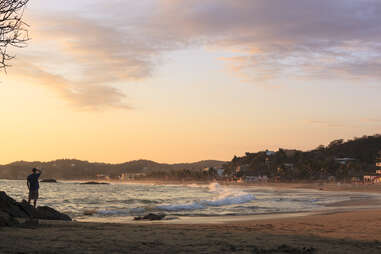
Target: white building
{"points": [[344, 161]]}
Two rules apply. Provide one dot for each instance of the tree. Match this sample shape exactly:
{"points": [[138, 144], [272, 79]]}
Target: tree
{"points": [[13, 30], [336, 143]]}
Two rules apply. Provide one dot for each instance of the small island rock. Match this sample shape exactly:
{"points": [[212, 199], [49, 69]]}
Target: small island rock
{"points": [[94, 183], [151, 216], [50, 180]]}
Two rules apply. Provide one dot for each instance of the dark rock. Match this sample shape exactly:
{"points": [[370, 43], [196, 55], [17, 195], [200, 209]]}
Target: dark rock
{"points": [[48, 213], [43, 212], [48, 181], [94, 183], [11, 207], [151, 217], [28, 209], [90, 212], [10, 210], [6, 220]]}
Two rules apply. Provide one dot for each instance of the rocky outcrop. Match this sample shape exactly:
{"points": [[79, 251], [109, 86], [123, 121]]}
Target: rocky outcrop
{"points": [[48, 213], [10, 210], [6, 220], [151, 216]]}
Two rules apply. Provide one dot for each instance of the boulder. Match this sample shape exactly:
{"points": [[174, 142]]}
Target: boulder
{"points": [[10, 210], [48, 213], [151, 216], [10, 206], [6, 220]]}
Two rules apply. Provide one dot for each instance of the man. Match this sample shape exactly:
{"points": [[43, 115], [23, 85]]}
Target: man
{"points": [[33, 185]]}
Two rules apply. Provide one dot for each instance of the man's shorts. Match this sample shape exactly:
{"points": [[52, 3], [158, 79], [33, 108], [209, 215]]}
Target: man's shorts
{"points": [[33, 194]]}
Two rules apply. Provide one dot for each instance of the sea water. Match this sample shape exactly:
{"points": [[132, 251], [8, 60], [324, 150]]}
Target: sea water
{"points": [[122, 200]]}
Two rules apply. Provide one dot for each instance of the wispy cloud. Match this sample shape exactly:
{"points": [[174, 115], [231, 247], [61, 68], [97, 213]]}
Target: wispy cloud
{"points": [[309, 39], [79, 94], [123, 41]]}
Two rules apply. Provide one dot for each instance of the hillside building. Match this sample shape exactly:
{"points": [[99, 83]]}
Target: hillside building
{"points": [[344, 161], [374, 178]]}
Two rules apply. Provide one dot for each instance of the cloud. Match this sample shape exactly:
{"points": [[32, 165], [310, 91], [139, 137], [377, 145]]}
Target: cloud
{"points": [[84, 60], [121, 42], [78, 94], [309, 39]]}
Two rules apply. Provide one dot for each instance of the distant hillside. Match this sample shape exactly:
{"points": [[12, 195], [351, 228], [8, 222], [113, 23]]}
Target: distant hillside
{"points": [[71, 169], [319, 163]]}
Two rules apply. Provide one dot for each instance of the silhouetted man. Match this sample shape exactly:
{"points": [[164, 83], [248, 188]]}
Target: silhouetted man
{"points": [[33, 185]]}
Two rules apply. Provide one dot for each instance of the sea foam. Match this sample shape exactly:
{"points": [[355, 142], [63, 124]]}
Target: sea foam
{"points": [[223, 197]]}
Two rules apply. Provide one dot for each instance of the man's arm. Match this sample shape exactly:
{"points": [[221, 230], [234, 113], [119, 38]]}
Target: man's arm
{"points": [[27, 183]]}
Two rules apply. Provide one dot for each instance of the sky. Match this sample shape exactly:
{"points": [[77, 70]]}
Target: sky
{"points": [[182, 81]]}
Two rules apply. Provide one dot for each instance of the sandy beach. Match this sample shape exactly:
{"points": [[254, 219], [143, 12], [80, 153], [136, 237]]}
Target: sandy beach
{"points": [[332, 231]]}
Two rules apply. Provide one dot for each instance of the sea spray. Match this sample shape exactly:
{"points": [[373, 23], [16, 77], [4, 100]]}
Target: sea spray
{"points": [[224, 197]]}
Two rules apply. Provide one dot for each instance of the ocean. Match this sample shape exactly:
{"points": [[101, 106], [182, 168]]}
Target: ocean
{"points": [[123, 201]]}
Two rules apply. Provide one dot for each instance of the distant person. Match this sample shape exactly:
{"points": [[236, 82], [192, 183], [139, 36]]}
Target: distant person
{"points": [[33, 185]]}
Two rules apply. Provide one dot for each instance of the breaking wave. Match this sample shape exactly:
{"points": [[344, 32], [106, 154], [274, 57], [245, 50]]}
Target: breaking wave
{"points": [[224, 197]]}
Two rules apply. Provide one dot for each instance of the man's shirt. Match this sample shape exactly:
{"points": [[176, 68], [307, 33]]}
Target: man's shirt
{"points": [[33, 182]]}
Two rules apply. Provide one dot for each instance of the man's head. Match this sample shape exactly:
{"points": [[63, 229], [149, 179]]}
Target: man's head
{"points": [[34, 170]]}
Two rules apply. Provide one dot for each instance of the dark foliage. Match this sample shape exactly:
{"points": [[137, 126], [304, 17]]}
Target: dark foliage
{"points": [[316, 164]]}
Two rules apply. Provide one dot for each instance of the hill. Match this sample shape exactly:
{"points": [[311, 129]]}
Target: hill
{"points": [[340, 159], [71, 169]]}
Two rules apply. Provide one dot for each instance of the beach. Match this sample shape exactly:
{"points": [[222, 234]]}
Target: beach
{"points": [[346, 227], [342, 232]]}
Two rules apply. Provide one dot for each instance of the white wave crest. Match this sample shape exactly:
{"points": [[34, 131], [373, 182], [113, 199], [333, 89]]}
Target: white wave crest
{"points": [[225, 197], [231, 200]]}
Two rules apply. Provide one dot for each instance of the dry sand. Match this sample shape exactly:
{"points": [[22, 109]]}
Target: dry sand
{"points": [[344, 232], [356, 230]]}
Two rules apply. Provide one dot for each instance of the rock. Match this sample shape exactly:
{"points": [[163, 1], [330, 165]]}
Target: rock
{"points": [[10, 210], [94, 183], [6, 220], [11, 207], [28, 209], [48, 213], [151, 217], [90, 212], [48, 180]]}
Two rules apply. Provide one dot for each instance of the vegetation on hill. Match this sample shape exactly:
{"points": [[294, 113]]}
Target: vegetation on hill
{"points": [[341, 160], [71, 169], [321, 163]]}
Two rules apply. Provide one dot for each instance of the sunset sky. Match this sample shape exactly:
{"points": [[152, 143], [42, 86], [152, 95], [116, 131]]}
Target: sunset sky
{"points": [[188, 80]]}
